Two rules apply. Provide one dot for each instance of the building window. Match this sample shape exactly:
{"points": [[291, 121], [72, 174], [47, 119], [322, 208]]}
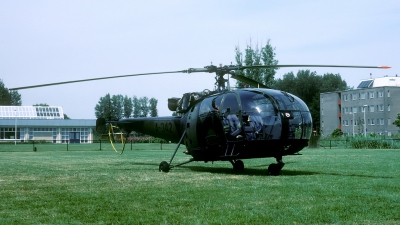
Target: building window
{"points": [[388, 107], [380, 94], [345, 97], [363, 95], [371, 94], [354, 96], [346, 110], [389, 121], [355, 122], [388, 93], [381, 121], [354, 109], [381, 107], [371, 108], [372, 121]]}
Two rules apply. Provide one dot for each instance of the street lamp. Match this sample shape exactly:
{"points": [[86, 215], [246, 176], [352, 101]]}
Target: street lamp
{"points": [[352, 123], [365, 122]]}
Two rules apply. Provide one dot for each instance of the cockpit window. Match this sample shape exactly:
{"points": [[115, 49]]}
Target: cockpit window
{"points": [[253, 101], [231, 102], [206, 106]]}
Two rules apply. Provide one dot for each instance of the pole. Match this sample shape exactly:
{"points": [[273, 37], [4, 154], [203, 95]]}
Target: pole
{"points": [[365, 122], [353, 124], [15, 135]]}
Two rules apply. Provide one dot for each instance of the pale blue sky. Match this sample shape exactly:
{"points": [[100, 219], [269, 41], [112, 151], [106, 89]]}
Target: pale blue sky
{"points": [[52, 41]]}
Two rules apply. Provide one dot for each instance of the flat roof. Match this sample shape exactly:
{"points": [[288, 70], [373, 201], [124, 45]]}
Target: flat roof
{"points": [[48, 122]]}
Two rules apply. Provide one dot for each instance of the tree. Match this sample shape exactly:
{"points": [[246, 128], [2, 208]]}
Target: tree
{"points": [[9, 97], [103, 108], [117, 107], [128, 107], [110, 107], [153, 107], [136, 107], [144, 101], [397, 121], [256, 57]]}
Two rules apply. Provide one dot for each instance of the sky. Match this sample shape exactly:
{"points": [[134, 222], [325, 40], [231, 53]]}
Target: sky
{"points": [[53, 41]]}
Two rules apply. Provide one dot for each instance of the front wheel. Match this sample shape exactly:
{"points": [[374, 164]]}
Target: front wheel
{"points": [[164, 167], [238, 165]]}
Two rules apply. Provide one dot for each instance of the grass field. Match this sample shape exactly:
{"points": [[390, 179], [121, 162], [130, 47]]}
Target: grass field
{"points": [[87, 186]]}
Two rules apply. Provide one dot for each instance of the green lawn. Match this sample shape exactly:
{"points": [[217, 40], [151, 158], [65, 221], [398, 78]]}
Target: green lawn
{"points": [[87, 186]]}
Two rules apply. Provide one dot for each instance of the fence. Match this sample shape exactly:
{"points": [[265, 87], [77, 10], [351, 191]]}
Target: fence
{"points": [[45, 145], [359, 143]]}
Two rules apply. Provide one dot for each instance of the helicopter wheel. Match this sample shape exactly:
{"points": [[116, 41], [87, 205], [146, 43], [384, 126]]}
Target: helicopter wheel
{"points": [[274, 169], [238, 165], [164, 167]]}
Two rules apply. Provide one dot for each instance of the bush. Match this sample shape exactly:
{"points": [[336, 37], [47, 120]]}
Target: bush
{"points": [[373, 143], [337, 133], [313, 142]]}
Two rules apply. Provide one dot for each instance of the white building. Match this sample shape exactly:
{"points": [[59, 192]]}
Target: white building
{"points": [[37, 123]]}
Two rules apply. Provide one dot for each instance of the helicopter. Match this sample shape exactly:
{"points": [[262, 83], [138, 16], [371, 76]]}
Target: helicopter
{"points": [[224, 124]]}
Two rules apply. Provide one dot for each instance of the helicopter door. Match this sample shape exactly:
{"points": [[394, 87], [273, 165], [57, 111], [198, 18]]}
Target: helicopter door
{"points": [[231, 122]]}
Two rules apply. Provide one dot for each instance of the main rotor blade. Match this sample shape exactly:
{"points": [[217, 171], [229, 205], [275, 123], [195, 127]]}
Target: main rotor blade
{"points": [[339, 66], [248, 81], [93, 79]]}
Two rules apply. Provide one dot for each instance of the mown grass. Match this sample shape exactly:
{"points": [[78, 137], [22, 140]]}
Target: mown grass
{"points": [[341, 186]]}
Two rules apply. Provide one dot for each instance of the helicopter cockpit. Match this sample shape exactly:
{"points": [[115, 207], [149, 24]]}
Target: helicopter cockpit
{"points": [[259, 114]]}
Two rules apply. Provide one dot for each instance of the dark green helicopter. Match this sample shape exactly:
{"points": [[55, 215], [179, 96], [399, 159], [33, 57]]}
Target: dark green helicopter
{"points": [[227, 125]]}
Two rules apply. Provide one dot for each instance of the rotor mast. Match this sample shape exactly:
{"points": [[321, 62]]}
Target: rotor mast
{"points": [[220, 81]]}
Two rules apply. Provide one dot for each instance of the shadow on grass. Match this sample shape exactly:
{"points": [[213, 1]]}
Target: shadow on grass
{"points": [[263, 172], [134, 164], [250, 171]]}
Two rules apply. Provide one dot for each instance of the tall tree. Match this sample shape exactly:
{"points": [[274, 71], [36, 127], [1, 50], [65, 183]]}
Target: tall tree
{"points": [[268, 58], [144, 106], [153, 107], [128, 106], [9, 97], [103, 108], [136, 107], [256, 57], [117, 107]]}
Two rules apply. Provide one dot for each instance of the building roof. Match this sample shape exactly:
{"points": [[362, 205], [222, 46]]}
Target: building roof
{"points": [[380, 82]]}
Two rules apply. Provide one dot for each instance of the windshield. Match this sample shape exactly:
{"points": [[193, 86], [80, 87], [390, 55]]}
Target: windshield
{"points": [[264, 109]]}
